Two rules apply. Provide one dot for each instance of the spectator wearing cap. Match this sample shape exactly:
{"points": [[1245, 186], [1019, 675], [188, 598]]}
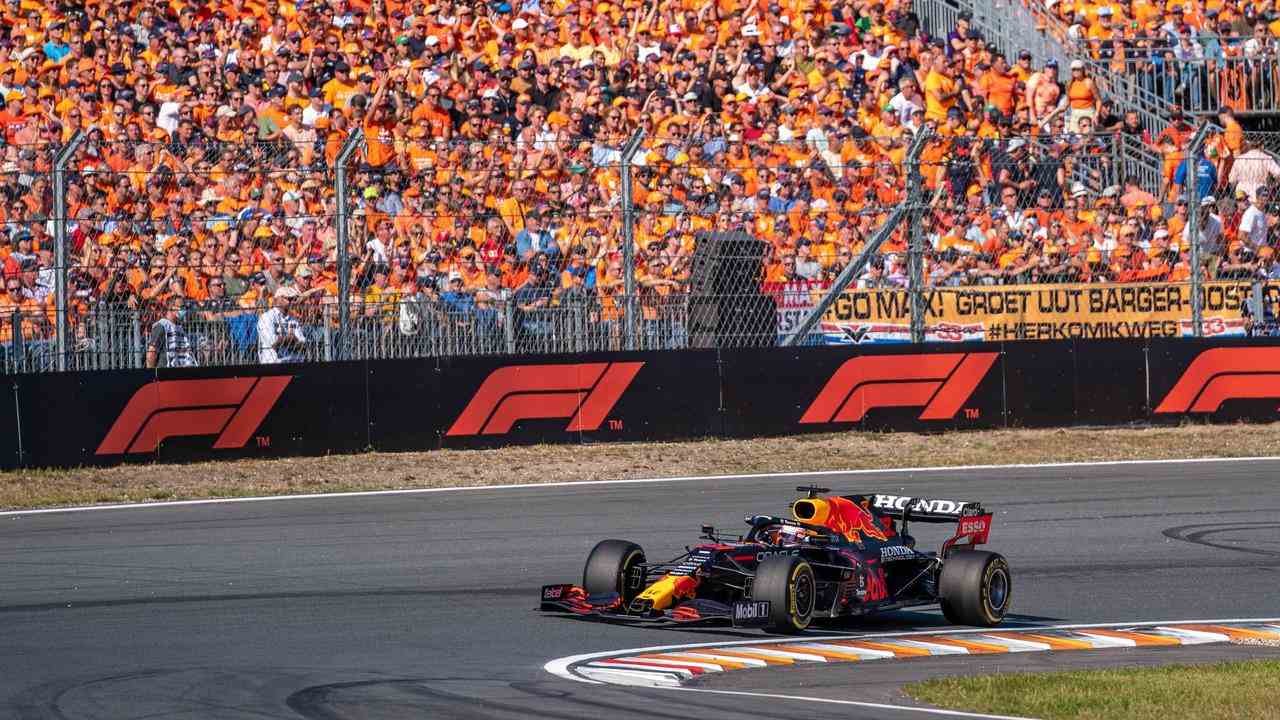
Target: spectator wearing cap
{"points": [[1022, 68], [1083, 98], [456, 299], [534, 240], [280, 338], [1211, 237], [1045, 96]]}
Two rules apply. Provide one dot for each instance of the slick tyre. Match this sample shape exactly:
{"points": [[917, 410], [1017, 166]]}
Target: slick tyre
{"points": [[975, 588], [608, 569], [789, 585]]}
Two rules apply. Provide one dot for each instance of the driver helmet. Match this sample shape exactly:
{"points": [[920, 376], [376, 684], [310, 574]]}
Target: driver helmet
{"points": [[790, 535]]}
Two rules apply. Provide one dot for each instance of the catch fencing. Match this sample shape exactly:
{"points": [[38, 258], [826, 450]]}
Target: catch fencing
{"points": [[669, 242]]}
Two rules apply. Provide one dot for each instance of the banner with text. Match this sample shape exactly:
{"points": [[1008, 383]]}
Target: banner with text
{"points": [[1024, 312]]}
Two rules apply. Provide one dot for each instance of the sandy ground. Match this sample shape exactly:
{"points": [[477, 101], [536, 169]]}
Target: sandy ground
{"points": [[561, 463]]}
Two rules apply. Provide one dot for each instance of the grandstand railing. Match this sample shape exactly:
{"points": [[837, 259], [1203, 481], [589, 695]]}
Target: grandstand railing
{"points": [[111, 338], [1200, 86], [1014, 26]]}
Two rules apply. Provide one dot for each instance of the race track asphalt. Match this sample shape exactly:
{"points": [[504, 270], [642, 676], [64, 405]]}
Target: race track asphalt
{"points": [[421, 605]]}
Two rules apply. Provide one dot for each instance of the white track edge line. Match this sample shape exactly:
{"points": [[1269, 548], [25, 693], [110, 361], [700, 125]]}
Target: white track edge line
{"points": [[630, 481], [560, 666], [855, 703]]}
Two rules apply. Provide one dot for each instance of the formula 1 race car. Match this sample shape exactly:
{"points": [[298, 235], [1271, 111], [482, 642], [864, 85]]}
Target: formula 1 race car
{"points": [[838, 556]]}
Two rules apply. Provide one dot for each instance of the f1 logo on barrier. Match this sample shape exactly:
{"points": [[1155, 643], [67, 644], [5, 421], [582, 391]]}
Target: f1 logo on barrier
{"points": [[1222, 374], [582, 392], [231, 408], [940, 383]]}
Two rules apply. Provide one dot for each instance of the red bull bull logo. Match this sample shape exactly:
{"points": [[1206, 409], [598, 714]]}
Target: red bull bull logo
{"points": [[842, 515]]}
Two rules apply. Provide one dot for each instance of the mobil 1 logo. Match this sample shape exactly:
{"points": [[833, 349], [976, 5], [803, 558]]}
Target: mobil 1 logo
{"points": [[751, 612]]}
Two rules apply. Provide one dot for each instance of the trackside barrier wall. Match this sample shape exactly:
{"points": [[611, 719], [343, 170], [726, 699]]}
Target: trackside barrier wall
{"points": [[109, 417]]}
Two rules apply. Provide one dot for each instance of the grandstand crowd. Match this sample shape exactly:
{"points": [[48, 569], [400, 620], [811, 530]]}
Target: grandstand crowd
{"points": [[490, 171]]}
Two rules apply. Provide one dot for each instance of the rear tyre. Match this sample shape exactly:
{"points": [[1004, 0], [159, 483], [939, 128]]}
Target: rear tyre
{"points": [[975, 588], [788, 583], [608, 569]]}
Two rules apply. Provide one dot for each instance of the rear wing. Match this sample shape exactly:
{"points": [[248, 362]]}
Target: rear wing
{"points": [[973, 523], [902, 507]]}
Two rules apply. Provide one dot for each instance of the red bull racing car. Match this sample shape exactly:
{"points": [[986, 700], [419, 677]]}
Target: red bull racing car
{"points": [[837, 556]]}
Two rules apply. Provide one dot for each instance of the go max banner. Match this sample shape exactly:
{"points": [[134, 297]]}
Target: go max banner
{"points": [[1001, 313]]}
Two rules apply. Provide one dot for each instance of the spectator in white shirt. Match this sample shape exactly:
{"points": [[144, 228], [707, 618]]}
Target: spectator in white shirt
{"points": [[1253, 169], [1210, 230], [280, 337], [1253, 224]]}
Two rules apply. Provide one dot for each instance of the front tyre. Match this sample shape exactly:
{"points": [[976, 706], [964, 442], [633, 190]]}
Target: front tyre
{"points": [[975, 588], [788, 584], [608, 569]]}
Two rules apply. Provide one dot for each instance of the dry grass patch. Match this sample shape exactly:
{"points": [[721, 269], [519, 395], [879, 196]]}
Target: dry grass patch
{"points": [[1245, 689], [569, 463]]}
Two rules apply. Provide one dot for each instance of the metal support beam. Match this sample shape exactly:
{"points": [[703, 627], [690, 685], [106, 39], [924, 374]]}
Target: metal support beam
{"points": [[1192, 190], [916, 208], [854, 269], [628, 240], [353, 143], [60, 243]]}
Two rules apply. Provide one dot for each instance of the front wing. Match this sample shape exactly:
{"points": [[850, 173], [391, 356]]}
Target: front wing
{"points": [[609, 607]]}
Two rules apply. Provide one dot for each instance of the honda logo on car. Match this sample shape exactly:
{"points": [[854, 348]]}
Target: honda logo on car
{"points": [[899, 502], [745, 611], [896, 552]]}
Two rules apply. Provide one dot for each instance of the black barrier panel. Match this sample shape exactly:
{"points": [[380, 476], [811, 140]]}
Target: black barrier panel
{"points": [[65, 419], [269, 411], [1039, 383], [487, 402], [12, 450], [110, 417], [1110, 381], [1064, 382], [923, 388], [1217, 380], [405, 410]]}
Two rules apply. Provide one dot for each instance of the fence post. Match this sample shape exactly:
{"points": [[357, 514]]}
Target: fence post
{"points": [[17, 346], [137, 354], [326, 317], [916, 209], [628, 240], [853, 269], [509, 325], [1192, 179], [60, 245], [1257, 305], [353, 143]]}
